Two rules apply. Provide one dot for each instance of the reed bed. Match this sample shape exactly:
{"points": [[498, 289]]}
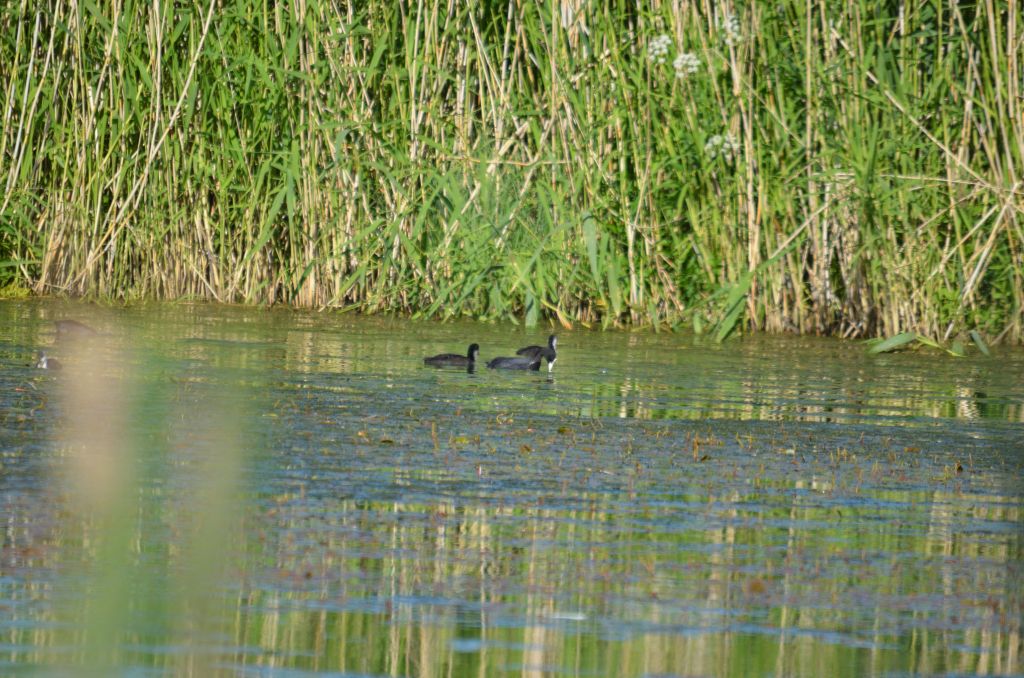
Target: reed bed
{"points": [[841, 167]]}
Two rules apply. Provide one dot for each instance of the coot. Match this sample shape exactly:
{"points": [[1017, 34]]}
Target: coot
{"points": [[45, 362], [454, 359], [516, 363], [542, 352]]}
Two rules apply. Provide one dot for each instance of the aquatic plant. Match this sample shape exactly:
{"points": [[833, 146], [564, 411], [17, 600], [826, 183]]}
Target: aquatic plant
{"points": [[525, 161]]}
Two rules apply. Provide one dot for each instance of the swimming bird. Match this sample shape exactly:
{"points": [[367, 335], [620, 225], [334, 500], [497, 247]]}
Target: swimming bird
{"points": [[45, 362], [516, 363], [547, 352], [454, 359], [73, 328]]}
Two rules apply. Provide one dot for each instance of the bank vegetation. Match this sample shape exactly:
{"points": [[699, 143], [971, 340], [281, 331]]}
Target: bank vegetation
{"points": [[837, 167]]}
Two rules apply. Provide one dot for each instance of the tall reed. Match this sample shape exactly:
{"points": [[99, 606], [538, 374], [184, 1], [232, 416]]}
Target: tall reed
{"points": [[845, 167]]}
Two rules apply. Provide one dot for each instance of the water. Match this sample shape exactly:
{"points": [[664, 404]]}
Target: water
{"points": [[278, 493]]}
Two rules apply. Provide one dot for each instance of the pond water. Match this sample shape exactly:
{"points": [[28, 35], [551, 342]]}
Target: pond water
{"points": [[211, 490]]}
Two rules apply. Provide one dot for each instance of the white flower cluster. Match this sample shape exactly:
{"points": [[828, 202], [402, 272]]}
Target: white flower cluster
{"points": [[724, 145], [686, 64], [657, 49], [730, 25]]}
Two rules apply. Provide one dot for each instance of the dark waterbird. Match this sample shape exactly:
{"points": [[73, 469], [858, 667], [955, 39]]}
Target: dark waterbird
{"points": [[517, 363], [454, 359], [548, 352], [45, 362]]}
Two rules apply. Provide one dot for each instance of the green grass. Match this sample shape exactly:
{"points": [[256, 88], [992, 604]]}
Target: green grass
{"points": [[829, 167]]}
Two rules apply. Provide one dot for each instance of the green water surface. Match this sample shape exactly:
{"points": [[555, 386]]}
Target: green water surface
{"points": [[267, 492]]}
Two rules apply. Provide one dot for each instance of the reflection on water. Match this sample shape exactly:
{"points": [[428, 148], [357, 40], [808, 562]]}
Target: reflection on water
{"points": [[656, 507]]}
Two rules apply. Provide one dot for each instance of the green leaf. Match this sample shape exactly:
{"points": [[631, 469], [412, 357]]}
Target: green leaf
{"points": [[728, 322], [590, 240], [892, 343], [734, 305], [979, 342], [652, 313], [267, 229], [532, 310], [613, 287]]}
